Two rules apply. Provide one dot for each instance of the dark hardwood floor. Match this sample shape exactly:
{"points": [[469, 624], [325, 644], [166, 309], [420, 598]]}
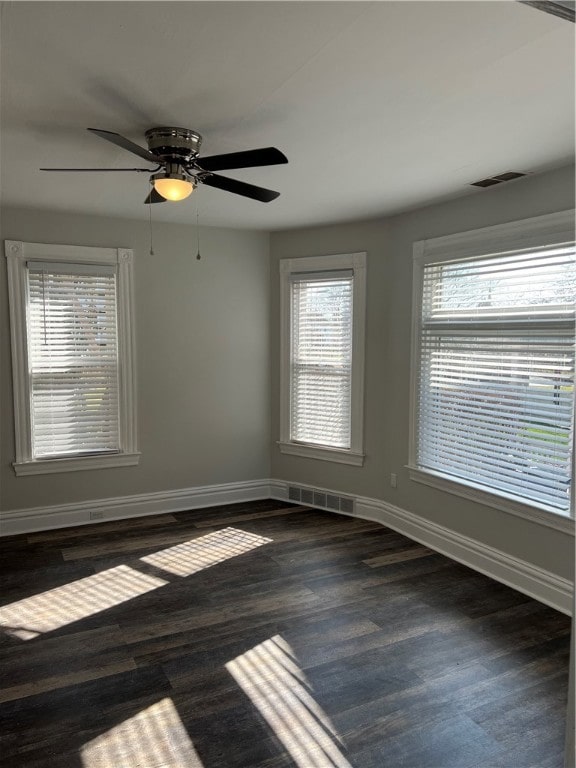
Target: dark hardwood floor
{"points": [[266, 635]]}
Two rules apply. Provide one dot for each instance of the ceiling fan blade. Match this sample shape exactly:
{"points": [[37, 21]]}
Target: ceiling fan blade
{"points": [[100, 170], [120, 141], [249, 159], [239, 188], [154, 197]]}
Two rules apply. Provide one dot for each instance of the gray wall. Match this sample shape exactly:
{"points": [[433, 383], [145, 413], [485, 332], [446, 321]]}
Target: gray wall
{"points": [[202, 358], [206, 356], [389, 246]]}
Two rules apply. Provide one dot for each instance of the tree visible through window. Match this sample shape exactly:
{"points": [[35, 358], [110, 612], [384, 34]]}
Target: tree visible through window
{"points": [[322, 357], [496, 373], [73, 360], [321, 374], [73, 367]]}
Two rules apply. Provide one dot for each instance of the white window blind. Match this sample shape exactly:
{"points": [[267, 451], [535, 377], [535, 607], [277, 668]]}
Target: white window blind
{"points": [[496, 379], [73, 359], [321, 358]]}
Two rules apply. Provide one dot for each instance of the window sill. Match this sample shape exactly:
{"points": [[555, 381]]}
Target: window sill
{"points": [[324, 454], [50, 466], [503, 502]]}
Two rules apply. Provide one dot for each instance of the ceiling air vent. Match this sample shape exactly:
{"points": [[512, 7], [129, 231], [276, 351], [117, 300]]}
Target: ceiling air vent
{"points": [[499, 179], [486, 183], [509, 175]]}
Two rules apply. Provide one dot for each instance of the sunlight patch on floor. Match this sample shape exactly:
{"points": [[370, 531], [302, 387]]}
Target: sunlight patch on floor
{"points": [[196, 555], [154, 738], [57, 607], [32, 616], [270, 676]]}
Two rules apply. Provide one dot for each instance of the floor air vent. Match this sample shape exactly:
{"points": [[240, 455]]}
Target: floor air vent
{"points": [[293, 493], [319, 499], [314, 498], [346, 505], [307, 496]]}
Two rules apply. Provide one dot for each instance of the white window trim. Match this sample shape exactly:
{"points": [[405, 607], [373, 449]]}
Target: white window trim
{"points": [[526, 233], [357, 262], [18, 253]]}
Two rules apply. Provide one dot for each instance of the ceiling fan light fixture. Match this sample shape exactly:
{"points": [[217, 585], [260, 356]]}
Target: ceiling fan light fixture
{"points": [[173, 186]]}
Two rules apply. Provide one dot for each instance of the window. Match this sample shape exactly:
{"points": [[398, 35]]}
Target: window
{"points": [[493, 383], [322, 356], [72, 351]]}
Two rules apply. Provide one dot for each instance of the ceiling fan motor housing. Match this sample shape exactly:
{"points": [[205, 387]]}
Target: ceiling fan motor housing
{"points": [[180, 144]]}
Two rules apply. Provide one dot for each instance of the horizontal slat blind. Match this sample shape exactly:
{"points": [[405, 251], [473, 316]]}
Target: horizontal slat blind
{"points": [[496, 385], [527, 285], [321, 359], [73, 360]]}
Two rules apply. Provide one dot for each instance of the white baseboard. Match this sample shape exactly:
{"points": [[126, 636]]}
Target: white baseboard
{"points": [[97, 511], [519, 574], [542, 585]]}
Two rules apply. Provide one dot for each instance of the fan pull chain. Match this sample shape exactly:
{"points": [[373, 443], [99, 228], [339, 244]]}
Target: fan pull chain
{"points": [[198, 256], [150, 219]]}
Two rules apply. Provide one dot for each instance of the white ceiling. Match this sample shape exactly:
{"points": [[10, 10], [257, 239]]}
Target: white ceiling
{"points": [[379, 106]]}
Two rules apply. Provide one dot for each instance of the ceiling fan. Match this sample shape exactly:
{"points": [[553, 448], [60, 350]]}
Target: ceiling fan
{"points": [[179, 169]]}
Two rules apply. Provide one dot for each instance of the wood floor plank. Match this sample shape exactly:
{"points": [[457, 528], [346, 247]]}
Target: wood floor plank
{"points": [[283, 603], [531, 710], [332, 641], [454, 742], [59, 662], [116, 527], [413, 553], [138, 542], [65, 679], [244, 517], [16, 588]]}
